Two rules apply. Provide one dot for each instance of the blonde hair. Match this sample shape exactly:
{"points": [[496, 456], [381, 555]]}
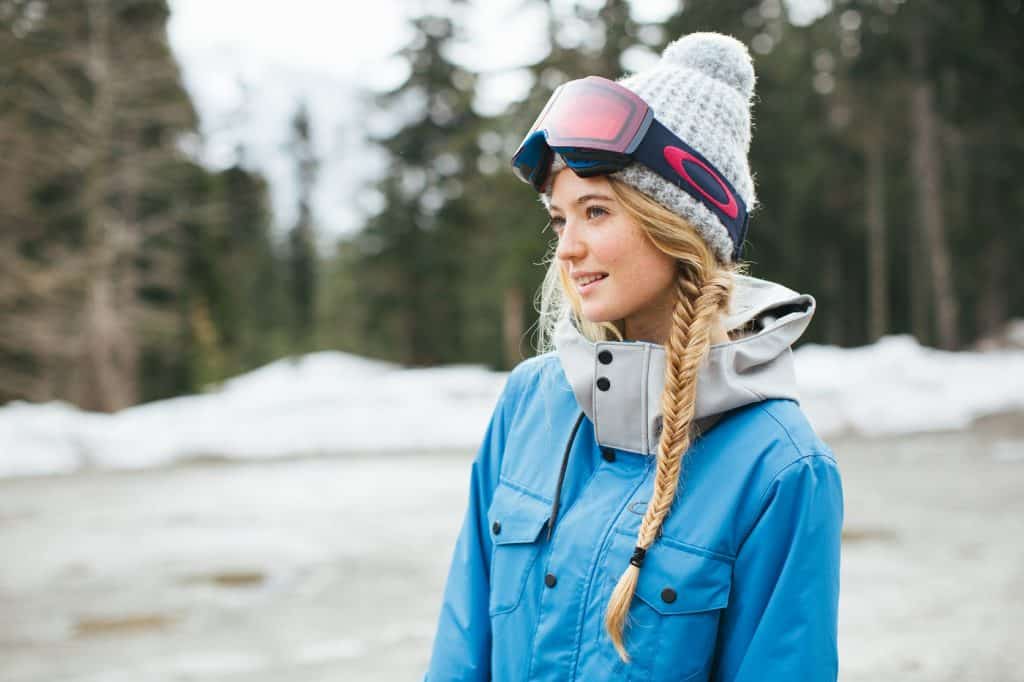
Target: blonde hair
{"points": [[703, 288]]}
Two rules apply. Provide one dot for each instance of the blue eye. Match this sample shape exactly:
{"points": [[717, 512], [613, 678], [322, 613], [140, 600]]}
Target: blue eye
{"points": [[557, 223]]}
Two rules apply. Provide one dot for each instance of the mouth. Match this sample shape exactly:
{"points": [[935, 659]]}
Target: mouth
{"points": [[589, 283]]}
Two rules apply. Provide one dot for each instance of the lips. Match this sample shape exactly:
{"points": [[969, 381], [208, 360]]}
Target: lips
{"points": [[583, 280], [587, 282]]}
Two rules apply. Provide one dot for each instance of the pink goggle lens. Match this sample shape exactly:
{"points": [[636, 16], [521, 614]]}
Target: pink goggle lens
{"points": [[595, 113]]}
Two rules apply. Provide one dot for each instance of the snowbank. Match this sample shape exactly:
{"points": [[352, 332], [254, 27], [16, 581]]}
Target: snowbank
{"points": [[325, 402], [898, 386], [335, 403]]}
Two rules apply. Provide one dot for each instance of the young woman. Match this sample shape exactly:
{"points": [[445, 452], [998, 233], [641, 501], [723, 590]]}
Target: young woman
{"points": [[649, 501]]}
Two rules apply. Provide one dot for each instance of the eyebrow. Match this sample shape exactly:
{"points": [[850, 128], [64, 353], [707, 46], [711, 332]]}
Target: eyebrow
{"points": [[584, 199]]}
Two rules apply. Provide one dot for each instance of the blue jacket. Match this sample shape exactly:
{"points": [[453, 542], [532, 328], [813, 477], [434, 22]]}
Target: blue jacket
{"points": [[743, 583]]}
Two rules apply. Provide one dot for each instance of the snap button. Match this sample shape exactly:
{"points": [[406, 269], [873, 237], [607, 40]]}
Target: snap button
{"points": [[550, 580], [608, 454], [496, 527], [605, 357], [668, 595], [604, 384]]}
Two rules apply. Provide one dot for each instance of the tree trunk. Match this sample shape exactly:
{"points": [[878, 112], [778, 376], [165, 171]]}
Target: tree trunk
{"points": [[512, 327], [920, 302], [927, 166], [109, 359], [107, 375], [993, 307], [832, 285], [878, 273]]}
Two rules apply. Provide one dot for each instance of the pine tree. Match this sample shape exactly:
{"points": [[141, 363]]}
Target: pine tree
{"points": [[302, 253], [412, 265], [92, 114]]}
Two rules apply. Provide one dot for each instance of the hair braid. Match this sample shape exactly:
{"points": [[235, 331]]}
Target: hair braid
{"points": [[697, 305]]}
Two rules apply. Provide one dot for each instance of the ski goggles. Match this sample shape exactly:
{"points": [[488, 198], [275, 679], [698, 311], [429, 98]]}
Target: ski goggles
{"points": [[600, 127]]}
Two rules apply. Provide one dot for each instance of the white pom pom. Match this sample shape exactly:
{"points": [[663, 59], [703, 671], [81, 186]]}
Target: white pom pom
{"points": [[719, 56]]}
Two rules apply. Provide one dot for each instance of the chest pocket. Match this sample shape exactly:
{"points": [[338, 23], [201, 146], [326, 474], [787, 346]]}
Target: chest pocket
{"points": [[516, 520], [673, 619]]}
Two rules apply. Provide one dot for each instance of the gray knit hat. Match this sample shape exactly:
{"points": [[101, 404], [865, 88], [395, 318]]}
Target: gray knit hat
{"points": [[701, 90]]}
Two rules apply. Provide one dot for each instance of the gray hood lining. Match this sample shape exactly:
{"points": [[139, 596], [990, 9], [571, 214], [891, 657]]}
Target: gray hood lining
{"points": [[755, 367]]}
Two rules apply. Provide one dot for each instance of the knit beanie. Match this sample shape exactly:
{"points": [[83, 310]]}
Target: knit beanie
{"points": [[701, 89]]}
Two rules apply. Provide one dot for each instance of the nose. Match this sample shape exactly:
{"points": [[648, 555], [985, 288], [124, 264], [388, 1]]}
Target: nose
{"points": [[570, 246]]}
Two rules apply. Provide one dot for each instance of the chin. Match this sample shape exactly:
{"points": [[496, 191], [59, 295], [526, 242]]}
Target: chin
{"points": [[599, 313]]}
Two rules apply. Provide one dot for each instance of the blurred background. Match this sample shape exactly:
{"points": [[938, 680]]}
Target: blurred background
{"points": [[263, 267]]}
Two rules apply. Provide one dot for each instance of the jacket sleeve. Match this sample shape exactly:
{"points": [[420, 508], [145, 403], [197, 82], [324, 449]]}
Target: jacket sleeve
{"points": [[782, 618], [462, 643]]}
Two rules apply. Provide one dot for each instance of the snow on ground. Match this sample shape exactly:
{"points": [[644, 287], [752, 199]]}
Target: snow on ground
{"points": [[333, 403], [326, 402], [898, 386]]}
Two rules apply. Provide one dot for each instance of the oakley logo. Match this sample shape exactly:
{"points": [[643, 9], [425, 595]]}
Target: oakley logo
{"points": [[676, 157]]}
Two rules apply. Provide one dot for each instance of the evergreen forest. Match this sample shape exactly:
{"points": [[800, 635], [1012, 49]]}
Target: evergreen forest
{"points": [[888, 140]]}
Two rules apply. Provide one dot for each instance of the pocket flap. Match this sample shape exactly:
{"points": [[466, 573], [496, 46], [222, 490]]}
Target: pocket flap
{"points": [[675, 579], [515, 516]]}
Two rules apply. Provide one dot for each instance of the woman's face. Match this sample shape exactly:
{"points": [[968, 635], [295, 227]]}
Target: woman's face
{"points": [[596, 236]]}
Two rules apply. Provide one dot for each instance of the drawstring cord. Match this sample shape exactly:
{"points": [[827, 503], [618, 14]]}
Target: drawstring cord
{"points": [[638, 552], [561, 476]]}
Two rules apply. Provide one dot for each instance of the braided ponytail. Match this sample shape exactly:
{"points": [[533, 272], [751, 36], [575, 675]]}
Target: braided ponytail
{"points": [[703, 287], [698, 302]]}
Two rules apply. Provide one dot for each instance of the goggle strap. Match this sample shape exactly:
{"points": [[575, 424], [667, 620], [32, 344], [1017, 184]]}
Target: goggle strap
{"points": [[655, 151]]}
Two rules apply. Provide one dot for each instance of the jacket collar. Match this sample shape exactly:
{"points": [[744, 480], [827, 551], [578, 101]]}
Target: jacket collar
{"points": [[618, 384]]}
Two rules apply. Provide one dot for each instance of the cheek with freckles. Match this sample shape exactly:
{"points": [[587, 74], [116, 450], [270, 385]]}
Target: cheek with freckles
{"points": [[640, 276]]}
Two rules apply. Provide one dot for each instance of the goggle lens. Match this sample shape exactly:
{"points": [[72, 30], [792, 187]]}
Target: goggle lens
{"points": [[592, 117], [592, 114]]}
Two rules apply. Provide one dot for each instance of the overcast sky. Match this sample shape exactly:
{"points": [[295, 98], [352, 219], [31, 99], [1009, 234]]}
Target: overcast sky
{"points": [[248, 63]]}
